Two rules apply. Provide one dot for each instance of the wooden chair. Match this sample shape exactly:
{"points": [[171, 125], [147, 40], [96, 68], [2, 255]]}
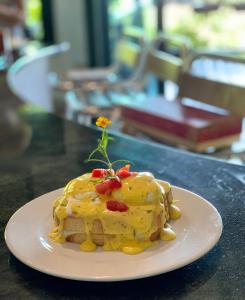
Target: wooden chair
{"points": [[173, 43], [90, 97], [182, 123], [164, 65], [127, 52], [218, 80], [148, 60]]}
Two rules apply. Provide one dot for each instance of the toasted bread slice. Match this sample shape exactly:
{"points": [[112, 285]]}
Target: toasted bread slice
{"points": [[76, 228]]}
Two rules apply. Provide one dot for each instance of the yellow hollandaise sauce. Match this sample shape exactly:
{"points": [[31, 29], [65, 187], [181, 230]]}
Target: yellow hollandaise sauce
{"points": [[132, 231]]}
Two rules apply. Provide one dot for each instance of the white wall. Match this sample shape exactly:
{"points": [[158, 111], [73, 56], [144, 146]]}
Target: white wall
{"points": [[70, 25]]}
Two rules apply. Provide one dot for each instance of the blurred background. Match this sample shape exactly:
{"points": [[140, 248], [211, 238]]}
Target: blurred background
{"points": [[168, 71], [93, 25]]}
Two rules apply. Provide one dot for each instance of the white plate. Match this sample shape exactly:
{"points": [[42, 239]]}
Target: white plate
{"points": [[26, 235]]}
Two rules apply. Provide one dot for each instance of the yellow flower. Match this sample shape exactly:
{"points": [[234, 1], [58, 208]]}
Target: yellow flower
{"points": [[103, 122]]}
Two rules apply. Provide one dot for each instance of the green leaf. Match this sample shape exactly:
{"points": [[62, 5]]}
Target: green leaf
{"points": [[102, 150], [121, 161], [104, 141], [97, 160], [92, 153]]}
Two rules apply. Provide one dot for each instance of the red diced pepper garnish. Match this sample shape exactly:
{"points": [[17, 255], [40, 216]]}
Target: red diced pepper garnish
{"points": [[114, 205], [99, 173], [122, 207], [115, 183], [102, 187], [107, 186], [123, 173], [111, 205], [125, 168]]}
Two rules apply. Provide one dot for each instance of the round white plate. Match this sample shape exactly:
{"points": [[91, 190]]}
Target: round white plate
{"points": [[26, 235]]}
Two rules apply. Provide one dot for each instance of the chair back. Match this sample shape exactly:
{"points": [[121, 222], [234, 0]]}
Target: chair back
{"points": [[164, 65], [131, 51], [135, 34], [127, 53], [130, 46], [215, 79], [179, 43]]}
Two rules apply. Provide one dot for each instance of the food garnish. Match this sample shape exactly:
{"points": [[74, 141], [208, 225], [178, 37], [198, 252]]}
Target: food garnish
{"points": [[114, 208], [109, 179]]}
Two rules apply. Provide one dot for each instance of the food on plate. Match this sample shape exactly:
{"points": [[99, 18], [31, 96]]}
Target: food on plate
{"points": [[114, 208]]}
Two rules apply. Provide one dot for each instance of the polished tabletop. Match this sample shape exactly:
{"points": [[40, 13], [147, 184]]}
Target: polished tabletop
{"points": [[40, 152]]}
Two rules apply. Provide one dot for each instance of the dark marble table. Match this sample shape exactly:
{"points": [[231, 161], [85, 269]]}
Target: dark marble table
{"points": [[40, 152]]}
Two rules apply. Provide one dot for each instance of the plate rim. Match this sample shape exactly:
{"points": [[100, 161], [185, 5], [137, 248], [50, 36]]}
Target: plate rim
{"points": [[151, 273]]}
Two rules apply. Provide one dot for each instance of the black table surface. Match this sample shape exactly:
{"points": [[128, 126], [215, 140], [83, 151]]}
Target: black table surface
{"points": [[40, 152]]}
